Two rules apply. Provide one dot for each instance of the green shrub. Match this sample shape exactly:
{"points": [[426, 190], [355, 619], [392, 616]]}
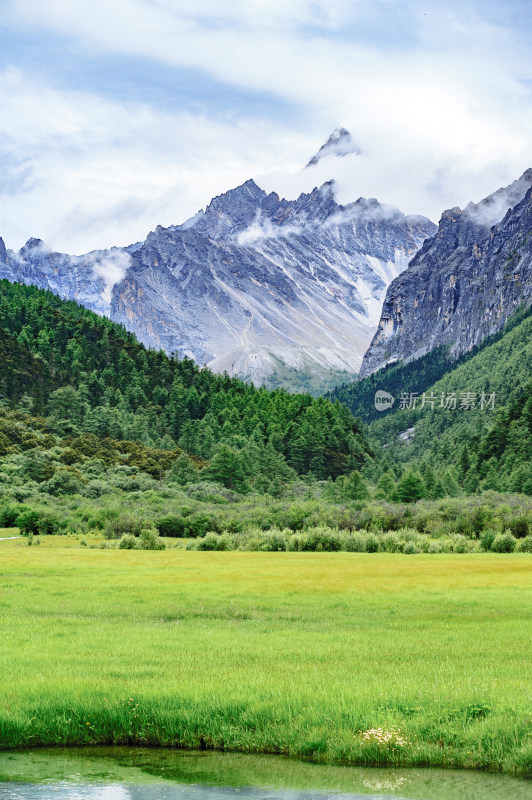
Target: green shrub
{"points": [[504, 543], [518, 527], [126, 524], [229, 541], [354, 542], [211, 541], [63, 482], [481, 516], [211, 492], [372, 543], [410, 548], [173, 525], [28, 522], [487, 538], [421, 523], [392, 543], [150, 540], [272, 541], [464, 526], [9, 515], [434, 547], [408, 534], [127, 542], [295, 542], [447, 545], [461, 544], [50, 523], [199, 524], [96, 488], [296, 516], [321, 539], [524, 545]]}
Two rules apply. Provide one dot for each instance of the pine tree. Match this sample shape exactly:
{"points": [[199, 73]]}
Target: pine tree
{"points": [[472, 481], [227, 467], [492, 479], [429, 479], [463, 465], [355, 487], [183, 470], [450, 485], [410, 488], [385, 486]]}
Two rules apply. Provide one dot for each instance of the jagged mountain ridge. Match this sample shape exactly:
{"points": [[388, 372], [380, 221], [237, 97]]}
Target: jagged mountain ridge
{"points": [[251, 283], [88, 279], [464, 282], [254, 271]]}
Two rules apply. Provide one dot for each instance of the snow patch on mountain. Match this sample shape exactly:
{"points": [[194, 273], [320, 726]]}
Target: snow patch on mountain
{"points": [[339, 144]]}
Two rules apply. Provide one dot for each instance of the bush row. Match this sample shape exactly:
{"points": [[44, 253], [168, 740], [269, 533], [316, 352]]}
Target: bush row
{"points": [[323, 539]]}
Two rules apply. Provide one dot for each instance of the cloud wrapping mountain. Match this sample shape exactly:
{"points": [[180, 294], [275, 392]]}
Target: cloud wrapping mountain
{"points": [[255, 275], [251, 283], [464, 283]]}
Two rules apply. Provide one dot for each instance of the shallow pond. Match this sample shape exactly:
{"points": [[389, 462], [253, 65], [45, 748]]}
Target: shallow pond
{"points": [[142, 774]]}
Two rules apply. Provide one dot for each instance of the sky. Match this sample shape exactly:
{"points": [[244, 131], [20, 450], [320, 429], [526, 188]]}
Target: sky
{"points": [[120, 115]]}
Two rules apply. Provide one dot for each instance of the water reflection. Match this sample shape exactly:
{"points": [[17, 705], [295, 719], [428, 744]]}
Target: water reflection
{"points": [[140, 774]]}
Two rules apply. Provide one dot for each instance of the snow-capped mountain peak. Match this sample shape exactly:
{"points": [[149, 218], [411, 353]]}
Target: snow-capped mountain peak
{"points": [[254, 284], [339, 143]]}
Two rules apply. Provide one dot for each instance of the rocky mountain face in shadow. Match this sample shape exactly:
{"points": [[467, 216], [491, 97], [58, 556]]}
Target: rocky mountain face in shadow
{"points": [[464, 282]]}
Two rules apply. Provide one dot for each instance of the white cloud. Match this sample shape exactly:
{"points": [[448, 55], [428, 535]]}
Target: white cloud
{"points": [[112, 267], [262, 228], [105, 174], [443, 117]]}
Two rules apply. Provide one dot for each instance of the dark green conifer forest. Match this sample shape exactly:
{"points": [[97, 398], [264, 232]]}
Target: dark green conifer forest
{"points": [[89, 382], [97, 431]]}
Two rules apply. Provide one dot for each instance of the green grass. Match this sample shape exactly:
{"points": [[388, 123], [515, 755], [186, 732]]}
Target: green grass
{"points": [[290, 653]]}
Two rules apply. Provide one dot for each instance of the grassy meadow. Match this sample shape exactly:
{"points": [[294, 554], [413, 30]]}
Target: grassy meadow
{"points": [[340, 657]]}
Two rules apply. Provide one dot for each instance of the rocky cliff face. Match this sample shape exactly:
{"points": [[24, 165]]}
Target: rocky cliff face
{"points": [[255, 278], [464, 282], [254, 284]]}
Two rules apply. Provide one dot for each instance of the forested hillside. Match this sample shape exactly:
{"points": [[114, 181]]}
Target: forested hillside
{"points": [[479, 436], [417, 375], [101, 437], [87, 380]]}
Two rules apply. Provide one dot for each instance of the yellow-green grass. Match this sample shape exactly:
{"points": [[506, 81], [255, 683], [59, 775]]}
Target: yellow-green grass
{"points": [[294, 653]]}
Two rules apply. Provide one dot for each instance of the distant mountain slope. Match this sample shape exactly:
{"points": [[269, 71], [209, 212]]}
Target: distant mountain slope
{"points": [[255, 275], [255, 285], [87, 279], [487, 437], [463, 284]]}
